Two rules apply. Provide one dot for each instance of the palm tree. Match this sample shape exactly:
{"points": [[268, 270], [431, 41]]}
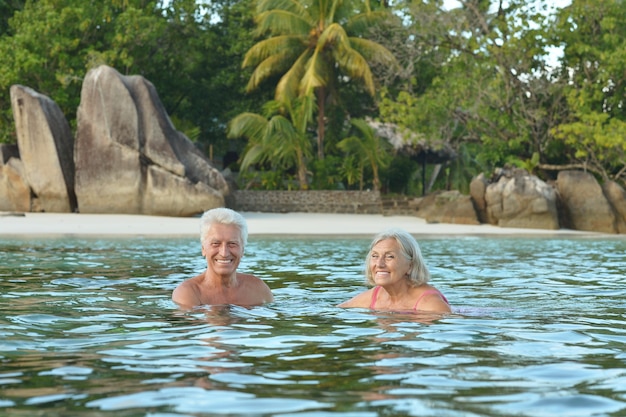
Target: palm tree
{"points": [[311, 44], [368, 148], [279, 139]]}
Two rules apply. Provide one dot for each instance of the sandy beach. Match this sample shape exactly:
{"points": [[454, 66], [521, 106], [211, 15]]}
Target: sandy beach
{"points": [[323, 224]]}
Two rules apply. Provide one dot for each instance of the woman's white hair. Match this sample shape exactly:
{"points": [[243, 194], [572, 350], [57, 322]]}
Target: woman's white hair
{"points": [[418, 272]]}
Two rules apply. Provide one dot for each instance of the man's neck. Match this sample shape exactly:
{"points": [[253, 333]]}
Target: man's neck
{"points": [[221, 281]]}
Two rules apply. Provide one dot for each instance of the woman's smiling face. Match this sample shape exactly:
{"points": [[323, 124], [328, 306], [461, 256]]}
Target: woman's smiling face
{"points": [[387, 263]]}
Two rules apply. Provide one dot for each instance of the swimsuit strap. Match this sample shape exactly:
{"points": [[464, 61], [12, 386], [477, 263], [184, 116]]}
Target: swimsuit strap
{"points": [[429, 292], [374, 296]]}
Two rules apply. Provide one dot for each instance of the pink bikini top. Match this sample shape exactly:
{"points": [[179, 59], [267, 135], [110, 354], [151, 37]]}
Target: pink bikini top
{"points": [[425, 293]]}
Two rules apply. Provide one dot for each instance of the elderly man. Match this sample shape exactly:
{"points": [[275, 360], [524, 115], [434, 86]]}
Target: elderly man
{"points": [[223, 235]]}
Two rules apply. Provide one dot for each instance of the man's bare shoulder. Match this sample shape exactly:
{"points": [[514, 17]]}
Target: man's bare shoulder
{"points": [[187, 292], [252, 281], [248, 277]]}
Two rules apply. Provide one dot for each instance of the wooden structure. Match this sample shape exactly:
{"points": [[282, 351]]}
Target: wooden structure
{"points": [[417, 148]]}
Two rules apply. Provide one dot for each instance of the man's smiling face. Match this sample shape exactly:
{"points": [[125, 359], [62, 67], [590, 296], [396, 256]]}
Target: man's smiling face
{"points": [[223, 249]]}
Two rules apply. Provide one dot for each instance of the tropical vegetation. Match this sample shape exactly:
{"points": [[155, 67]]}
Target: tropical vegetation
{"points": [[294, 88]]}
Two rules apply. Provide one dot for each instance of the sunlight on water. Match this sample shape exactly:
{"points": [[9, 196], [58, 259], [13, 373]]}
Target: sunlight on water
{"points": [[87, 327]]}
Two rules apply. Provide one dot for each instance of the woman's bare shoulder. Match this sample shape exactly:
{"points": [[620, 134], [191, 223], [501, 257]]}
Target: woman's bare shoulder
{"points": [[361, 300], [431, 299]]}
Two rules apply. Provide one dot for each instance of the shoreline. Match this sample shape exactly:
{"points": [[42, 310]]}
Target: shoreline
{"points": [[259, 224]]}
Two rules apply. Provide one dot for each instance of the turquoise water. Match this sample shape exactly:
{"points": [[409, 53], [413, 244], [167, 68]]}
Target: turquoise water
{"points": [[87, 328]]}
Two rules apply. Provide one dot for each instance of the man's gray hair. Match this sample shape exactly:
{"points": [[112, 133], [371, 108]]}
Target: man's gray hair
{"points": [[223, 215]]}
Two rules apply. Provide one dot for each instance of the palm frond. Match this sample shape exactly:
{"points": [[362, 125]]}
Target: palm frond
{"points": [[270, 66], [355, 66], [314, 75], [303, 112], [254, 155], [363, 22], [373, 51], [247, 125], [287, 88], [350, 145], [293, 6], [282, 22], [286, 142], [276, 45]]}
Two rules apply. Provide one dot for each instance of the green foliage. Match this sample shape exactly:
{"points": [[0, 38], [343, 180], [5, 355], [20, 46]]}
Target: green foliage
{"points": [[7, 9], [280, 140], [191, 52], [401, 176], [51, 46], [367, 149], [327, 173], [594, 55], [474, 78], [352, 171], [310, 45], [594, 35], [203, 81], [266, 179], [529, 165], [485, 82], [599, 141], [462, 169], [190, 130]]}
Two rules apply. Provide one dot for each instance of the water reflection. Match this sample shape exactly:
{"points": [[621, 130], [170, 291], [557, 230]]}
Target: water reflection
{"points": [[87, 326]]}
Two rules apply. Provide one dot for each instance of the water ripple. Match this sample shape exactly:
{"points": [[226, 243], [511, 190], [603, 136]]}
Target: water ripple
{"points": [[88, 326]]}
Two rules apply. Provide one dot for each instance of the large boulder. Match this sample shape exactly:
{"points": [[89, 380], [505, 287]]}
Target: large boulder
{"points": [[584, 204], [130, 158], [616, 195], [478, 188], [45, 146], [14, 189], [447, 207], [518, 199]]}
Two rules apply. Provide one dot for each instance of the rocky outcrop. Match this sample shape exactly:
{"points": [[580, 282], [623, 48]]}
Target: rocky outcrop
{"points": [[514, 198], [127, 156], [447, 207], [131, 159], [45, 147], [15, 192], [616, 196], [478, 188], [584, 205]]}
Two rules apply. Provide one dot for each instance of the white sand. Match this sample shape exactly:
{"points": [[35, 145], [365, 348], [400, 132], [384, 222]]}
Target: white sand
{"points": [[69, 224]]}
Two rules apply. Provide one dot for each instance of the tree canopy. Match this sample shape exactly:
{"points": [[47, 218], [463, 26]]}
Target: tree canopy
{"points": [[310, 45], [479, 78]]}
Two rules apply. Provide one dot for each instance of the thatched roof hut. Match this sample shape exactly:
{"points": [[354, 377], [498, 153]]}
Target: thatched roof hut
{"points": [[415, 146]]}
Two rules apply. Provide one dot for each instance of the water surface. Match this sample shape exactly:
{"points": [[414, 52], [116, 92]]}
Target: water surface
{"points": [[87, 327]]}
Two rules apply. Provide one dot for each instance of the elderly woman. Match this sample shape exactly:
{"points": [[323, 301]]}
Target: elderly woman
{"points": [[396, 270]]}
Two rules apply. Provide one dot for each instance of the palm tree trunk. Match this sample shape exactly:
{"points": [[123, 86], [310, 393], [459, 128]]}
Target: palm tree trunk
{"points": [[302, 172], [321, 98], [361, 179], [376, 179]]}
